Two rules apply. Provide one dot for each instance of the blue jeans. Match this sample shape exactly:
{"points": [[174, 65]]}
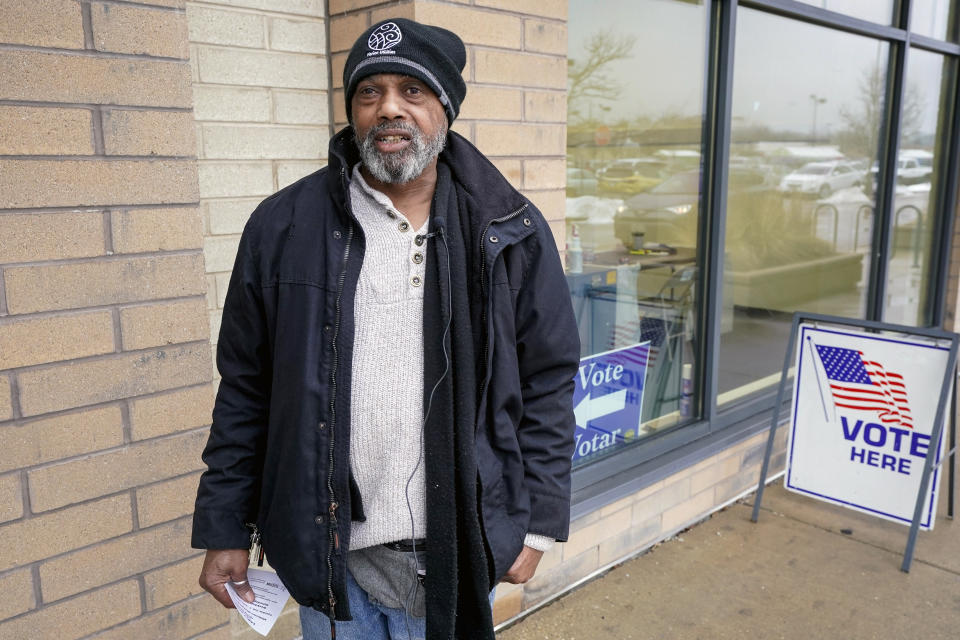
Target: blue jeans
{"points": [[371, 621]]}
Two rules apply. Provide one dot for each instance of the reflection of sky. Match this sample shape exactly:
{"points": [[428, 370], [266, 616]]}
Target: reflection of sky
{"points": [[779, 63]]}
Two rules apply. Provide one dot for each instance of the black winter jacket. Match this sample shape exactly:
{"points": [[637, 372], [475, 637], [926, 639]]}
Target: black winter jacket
{"points": [[278, 450]]}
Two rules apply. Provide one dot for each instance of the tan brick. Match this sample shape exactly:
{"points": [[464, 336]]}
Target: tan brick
{"points": [[312, 8], [139, 30], [545, 585], [46, 535], [474, 26], [223, 282], [6, 408], [148, 230], [552, 204], [39, 131], [492, 103], [713, 474], [173, 583], [670, 495], [337, 63], [545, 106], [344, 30], [220, 633], [511, 168], [39, 441], [78, 617], [229, 216], [406, 10], [592, 535], [257, 142], [697, 506], [545, 173], [51, 77], [547, 8], [235, 179], [630, 541], [507, 606], [215, 26], [17, 590], [342, 6], [167, 501], [27, 341], [110, 378], [545, 37], [339, 109], [42, 23], [215, 318], [179, 621], [220, 252], [520, 69], [148, 133], [66, 286], [261, 68], [136, 464], [301, 107], [304, 36], [153, 325], [171, 412], [11, 498], [130, 554], [29, 237], [290, 172], [520, 140], [225, 104], [53, 183], [173, 4]]}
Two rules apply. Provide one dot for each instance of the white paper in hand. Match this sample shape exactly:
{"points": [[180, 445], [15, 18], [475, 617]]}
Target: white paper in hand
{"points": [[271, 596]]}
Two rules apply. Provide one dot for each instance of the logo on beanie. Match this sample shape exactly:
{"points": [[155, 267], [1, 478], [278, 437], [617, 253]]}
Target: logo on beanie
{"points": [[384, 38]]}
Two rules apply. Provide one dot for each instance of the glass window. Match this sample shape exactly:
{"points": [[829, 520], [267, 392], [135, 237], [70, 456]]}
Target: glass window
{"points": [[635, 112], [874, 10], [936, 18], [922, 126], [807, 113]]}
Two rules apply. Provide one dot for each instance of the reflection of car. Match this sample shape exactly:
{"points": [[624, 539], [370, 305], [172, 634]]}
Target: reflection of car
{"points": [[580, 182], [821, 178], [631, 175], [912, 167], [668, 212]]}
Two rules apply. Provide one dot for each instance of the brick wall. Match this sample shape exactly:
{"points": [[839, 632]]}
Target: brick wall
{"points": [[104, 356], [261, 105], [516, 73]]}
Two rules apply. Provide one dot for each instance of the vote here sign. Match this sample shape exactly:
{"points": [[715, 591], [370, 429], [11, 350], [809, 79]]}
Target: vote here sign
{"points": [[608, 399], [863, 413]]}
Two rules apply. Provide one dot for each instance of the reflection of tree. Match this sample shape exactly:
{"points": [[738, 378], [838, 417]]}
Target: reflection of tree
{"points": [[588, 78], [864, 120]]}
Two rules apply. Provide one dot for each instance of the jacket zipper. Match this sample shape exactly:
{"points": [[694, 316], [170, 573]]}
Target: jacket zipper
{"points": [[483, 270], [334, 535]]}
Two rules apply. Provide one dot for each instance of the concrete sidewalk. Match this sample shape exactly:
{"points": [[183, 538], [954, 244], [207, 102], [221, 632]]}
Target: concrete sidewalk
{"points": [[795, 575]]}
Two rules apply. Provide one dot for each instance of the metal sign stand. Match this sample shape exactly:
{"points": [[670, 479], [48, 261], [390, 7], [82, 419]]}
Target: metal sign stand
{"points": [[930, 465]]}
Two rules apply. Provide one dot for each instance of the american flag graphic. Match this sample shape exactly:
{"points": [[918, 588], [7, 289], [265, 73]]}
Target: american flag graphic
{"points": [[865, 385], [632, 332]]}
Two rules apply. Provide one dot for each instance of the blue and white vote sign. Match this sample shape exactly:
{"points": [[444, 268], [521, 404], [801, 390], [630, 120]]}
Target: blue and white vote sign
{"points": [[608, 398], [863, 414]]}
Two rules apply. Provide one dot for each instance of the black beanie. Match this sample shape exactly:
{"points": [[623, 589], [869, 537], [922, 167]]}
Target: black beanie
{"points": [[431, 54]]}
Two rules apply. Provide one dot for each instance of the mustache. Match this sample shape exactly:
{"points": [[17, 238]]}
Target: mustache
{"points": [[406, 127]]}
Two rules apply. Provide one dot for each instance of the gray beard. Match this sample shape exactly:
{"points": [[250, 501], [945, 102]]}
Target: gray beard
{"points": [[406, 165]]}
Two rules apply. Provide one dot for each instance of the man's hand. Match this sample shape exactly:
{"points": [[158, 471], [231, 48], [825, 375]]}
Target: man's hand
{"points": [[524, 566], [221, 566]]}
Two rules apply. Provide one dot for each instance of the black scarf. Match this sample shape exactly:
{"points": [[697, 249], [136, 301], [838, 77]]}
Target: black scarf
{"points": [[457, 582]]}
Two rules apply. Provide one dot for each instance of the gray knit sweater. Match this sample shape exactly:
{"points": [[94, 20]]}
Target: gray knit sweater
{"points": [[386, 401]]}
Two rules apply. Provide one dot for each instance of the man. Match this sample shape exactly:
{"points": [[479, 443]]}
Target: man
{"points": [[397, 353]]}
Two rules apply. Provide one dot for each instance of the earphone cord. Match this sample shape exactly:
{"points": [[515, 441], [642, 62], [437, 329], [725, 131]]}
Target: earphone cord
{"points": [[426, 414]]}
